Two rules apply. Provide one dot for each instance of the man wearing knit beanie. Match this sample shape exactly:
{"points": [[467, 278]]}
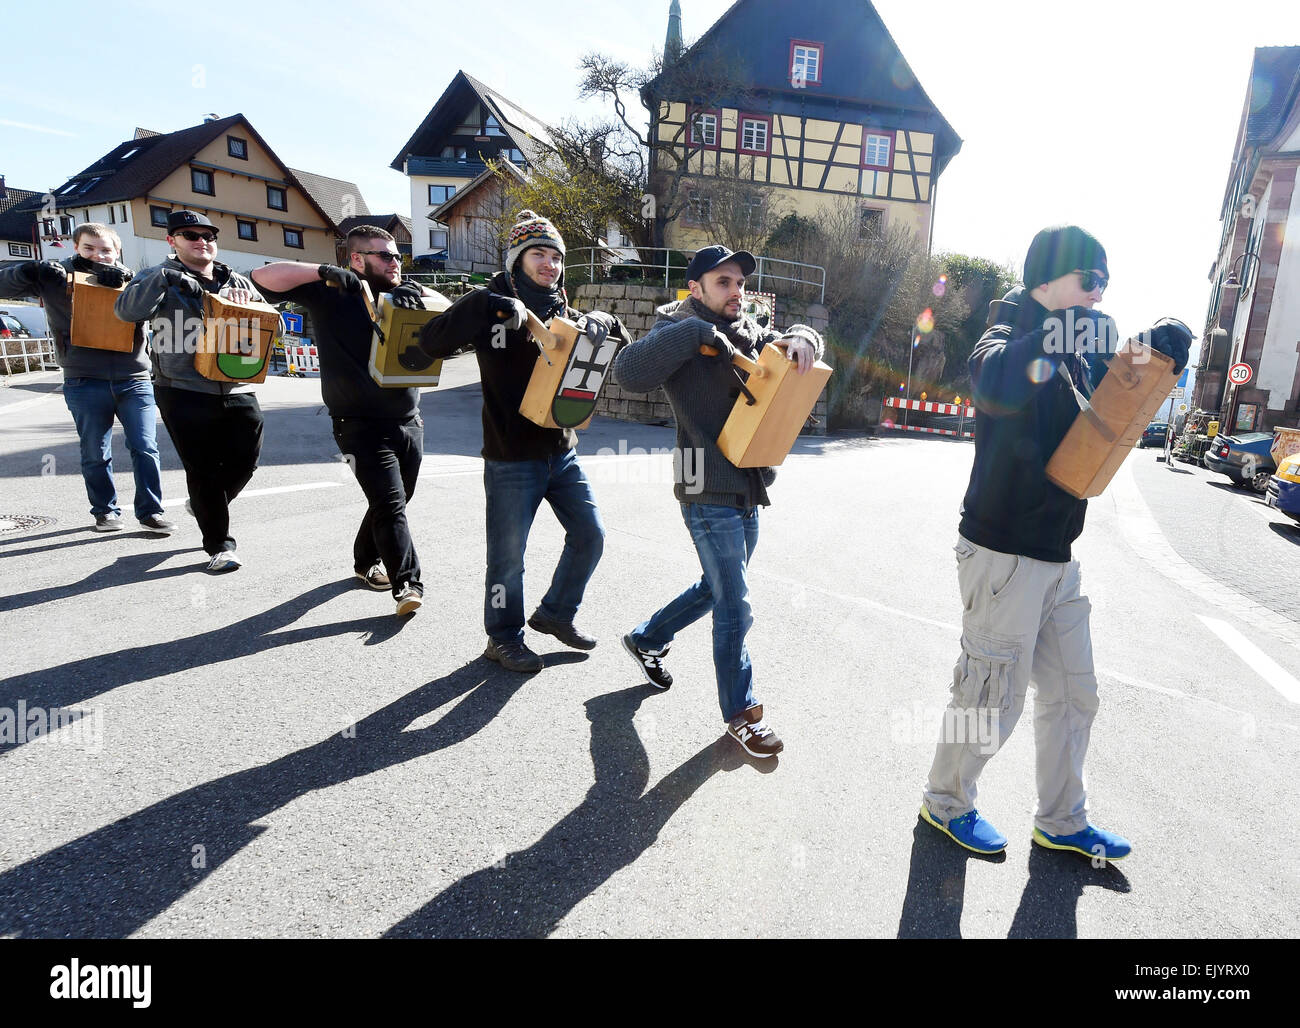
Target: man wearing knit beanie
{"points": [[719, 501], [1025, 617], [523, 463]]}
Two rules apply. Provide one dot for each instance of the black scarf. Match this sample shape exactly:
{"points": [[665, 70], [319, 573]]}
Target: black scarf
{"points": [[743, 332], [545, 303]]}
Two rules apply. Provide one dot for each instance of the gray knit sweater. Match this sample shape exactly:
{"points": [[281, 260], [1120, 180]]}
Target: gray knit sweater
{"points": [[702, 391]]}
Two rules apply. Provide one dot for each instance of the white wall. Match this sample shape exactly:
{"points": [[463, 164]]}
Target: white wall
{"points": [[1277, 364]]}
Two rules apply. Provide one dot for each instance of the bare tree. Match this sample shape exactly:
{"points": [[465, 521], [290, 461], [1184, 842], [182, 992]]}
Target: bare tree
{"points": [[734, 208], [659, 160]]}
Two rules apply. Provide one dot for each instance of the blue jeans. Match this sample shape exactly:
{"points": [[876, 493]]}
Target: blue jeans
{"points": [[515, 489], [724, 538], [93, 403]]}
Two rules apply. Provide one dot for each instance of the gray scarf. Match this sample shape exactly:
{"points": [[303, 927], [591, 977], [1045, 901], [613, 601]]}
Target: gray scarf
{"points": [[744, 332]]}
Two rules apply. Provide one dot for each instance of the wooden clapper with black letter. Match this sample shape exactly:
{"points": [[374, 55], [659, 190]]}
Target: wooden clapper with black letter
{"points": [[94, 325], [772, 408], [568, 375], [396, 360]]}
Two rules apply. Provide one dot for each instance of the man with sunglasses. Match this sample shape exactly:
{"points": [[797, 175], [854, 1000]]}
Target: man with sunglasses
{"points": [[1025, 616], [216, 427], [378, 429]]}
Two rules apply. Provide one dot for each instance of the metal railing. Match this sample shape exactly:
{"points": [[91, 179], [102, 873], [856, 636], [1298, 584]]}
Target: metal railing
{"points": [[669, 267], [27, 352]]}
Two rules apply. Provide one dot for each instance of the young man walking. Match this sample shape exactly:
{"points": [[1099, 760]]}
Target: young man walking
{"points": [[99, 385], [378, 429], [216, 427], [1025, 617], [523, 463], [721, 508]]}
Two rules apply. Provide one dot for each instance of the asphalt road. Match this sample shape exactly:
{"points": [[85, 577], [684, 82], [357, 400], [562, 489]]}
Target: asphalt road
{"points": [[271, 753]]}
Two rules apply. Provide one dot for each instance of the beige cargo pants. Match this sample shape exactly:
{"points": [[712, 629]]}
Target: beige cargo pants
{"points": [[1024, 620]]}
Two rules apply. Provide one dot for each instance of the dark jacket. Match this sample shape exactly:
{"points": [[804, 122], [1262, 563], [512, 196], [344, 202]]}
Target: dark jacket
{"points": [[76, 361], [1023, 408], [702, 391], [504, 372], [177, 322]]}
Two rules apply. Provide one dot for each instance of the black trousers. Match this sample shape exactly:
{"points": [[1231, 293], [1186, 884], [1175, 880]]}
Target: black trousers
{"points": [[219, 439], [385, 455]]}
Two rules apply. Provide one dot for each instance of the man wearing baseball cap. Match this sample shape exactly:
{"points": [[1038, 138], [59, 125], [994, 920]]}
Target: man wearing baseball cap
{"points": [[719, 501], [1025, 617], [216, 427]]}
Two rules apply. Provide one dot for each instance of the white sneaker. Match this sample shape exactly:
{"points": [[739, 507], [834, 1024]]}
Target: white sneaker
{"points": [[225, 560]]}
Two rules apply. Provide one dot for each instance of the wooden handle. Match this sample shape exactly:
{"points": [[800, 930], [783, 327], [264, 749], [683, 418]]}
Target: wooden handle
{"points": [[739, 360], [545, 338]]}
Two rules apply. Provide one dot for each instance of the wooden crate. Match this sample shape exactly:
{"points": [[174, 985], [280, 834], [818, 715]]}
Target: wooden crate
{"points": [[94, 325], [568, 375], [761, 435], [396, 360], [1136, 384], [237, 340]]}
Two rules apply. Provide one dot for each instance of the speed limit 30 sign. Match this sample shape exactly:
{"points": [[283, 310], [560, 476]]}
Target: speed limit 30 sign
{"points": [[1240, 374]]}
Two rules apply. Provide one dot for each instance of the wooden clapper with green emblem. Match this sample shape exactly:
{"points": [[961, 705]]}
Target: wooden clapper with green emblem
{"points": [[237, 340]]}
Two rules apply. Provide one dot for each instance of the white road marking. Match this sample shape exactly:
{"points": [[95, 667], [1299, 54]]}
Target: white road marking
{"points": [[1259, 661], [266, 492], [1139, 528]]}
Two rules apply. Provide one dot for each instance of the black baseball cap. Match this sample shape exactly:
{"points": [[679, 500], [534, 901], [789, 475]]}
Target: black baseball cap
{"points": [[710, 257], [188, 219]]}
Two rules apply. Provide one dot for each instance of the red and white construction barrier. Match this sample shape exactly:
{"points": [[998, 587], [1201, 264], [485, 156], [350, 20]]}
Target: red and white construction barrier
{"points": [[302, 360], [931, 407]]}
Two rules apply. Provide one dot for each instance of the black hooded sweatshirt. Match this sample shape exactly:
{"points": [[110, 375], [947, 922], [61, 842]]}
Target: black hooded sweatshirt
{"points": [[1023, 409]]}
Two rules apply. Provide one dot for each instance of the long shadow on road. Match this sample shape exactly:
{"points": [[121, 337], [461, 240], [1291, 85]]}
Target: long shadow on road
{"points": [[112, 881], [936, 886], [65, 685], [529, 892], [1049, 905]]}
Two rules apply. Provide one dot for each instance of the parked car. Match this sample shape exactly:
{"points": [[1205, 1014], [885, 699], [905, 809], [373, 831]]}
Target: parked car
{"points": [[1154, 434], [431, 262], [1284, 487], [30, 317], [1243, 458], [12, 328]]}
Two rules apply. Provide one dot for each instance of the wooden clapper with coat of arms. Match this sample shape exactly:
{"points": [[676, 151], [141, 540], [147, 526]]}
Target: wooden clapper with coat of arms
{"points": [[568, 376]]}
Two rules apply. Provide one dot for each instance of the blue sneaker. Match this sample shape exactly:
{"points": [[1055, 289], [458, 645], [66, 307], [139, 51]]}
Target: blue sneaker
{"points": [[969, 830], [1091, 842]]}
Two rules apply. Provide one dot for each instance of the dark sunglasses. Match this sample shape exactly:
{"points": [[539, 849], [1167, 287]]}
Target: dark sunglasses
{"points": [[387, 255], [1090, 280], [194, 237]]}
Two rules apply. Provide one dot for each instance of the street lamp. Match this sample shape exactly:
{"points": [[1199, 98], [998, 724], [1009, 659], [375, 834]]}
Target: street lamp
{"points": [[1233, 281], [916, 341]]}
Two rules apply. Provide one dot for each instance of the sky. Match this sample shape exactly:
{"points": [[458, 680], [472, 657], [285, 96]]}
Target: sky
{"points": [[1118, 115]]}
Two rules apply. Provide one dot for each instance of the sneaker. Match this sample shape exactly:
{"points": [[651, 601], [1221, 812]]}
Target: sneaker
{"points": [[753, 734], [969, 830], [409, 599], [513, 656], [566, 631], [375, 577], [108, 523], [158, 524], [650, 663], [1091, 842], [222, 561]]}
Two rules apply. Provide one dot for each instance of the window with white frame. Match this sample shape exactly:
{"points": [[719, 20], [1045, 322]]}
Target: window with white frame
{"points": [[704, 129], [699, 208], [875, 150], [805, 62], [437, 239], [753, 134], [751, 207]]}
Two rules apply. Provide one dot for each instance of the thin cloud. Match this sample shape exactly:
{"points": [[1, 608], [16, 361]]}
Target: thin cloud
{"points": [[37, 128]]}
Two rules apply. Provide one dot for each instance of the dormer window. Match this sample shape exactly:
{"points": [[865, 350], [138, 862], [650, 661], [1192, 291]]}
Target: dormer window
{"points": [[805, 63]]}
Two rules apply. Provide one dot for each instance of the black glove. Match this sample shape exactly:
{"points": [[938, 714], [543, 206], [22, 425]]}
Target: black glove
{"points": [[182, 283], [1082, 330], [597, 325], [408, 296], [113, 277], [84, 264], [506, 309], [49, 273], [1172, 338], [345, 279], [725, 347]]}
